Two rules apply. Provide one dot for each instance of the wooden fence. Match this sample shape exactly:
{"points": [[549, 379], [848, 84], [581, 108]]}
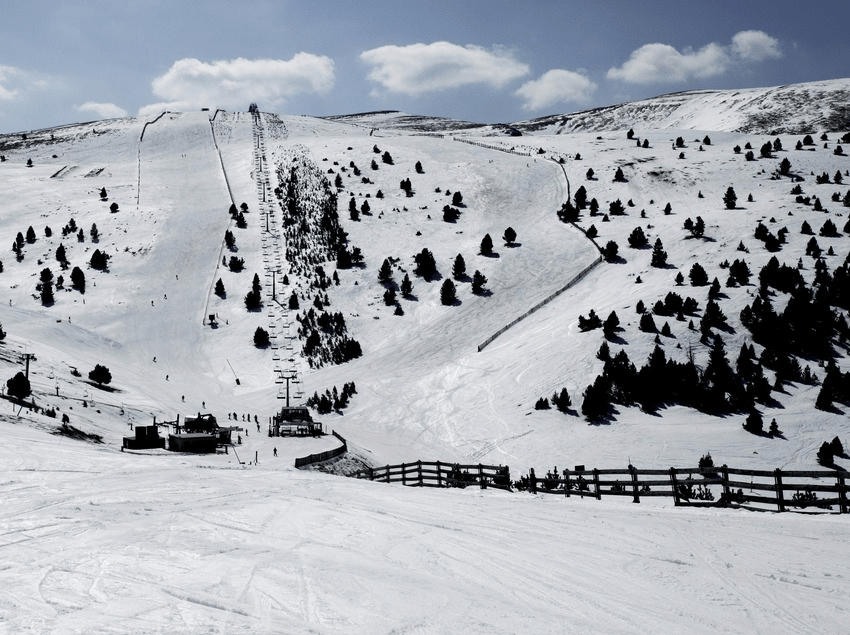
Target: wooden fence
{"points": [[323, 456], [440, 474], [781, 490]]}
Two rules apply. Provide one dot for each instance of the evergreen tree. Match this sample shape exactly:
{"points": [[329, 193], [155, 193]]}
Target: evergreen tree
{"points": [[78, 279], [509, 236], [47, 293], [698, 275], [825, 455], [486, 248], [610, 326], [94, 233], [730, 199], [637, 238], [457, 199], [426, 266], [18, 386], [610, 251], [448, 293], [406, 286], [30, 235], [659, 256], [836, 447], [562, 400], [100, 374], [385, 273], [459, 268], [293, 302], [478, 282], [418, 168], [61, 256], [219, 287], [261, 337], [389, 296]]}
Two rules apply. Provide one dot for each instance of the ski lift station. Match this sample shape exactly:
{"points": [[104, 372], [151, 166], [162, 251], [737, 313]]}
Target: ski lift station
{"points": [[198, 435], [294, 421]]}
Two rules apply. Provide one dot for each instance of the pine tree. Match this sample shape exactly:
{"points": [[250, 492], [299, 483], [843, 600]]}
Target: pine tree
{"points": [[426, 266], [61, 256], [659, 256], [219, 287], [825, 455], [448, 293], [385, 273], [610, 326], [459, 268], [510, 236], [478, 282], [100, 374], [730, 199], [261, 337], [486, 248], [389, 296], [78, 279], [406, 286], [562, 400]]}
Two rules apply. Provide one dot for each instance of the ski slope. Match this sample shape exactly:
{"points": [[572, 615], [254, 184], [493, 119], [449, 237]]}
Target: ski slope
{"points": [[97, 540]]}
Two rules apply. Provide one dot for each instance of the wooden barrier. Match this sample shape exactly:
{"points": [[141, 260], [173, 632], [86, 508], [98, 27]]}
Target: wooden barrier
{"points": [[323, 456], [704, 487], [440, 474]]}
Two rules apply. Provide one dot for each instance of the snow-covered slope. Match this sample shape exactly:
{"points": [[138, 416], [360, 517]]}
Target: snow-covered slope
{"points": [[100, 540], [790, 109]]}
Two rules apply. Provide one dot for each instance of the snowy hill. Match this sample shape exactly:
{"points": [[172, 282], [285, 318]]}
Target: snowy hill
{"points": [[790, 109], [100, 540]]}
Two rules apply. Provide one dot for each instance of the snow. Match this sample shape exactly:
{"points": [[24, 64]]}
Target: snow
{"points": [[97, 540]]}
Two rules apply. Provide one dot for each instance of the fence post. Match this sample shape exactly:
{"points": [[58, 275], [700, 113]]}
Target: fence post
{"points": [[371, 474], [439, 475], [842, 493], [674, 486], [727, 494], [596, 484], [387, 473], [532, 480], [481, 477], [780, 500], [567, 485], [635, 484]]}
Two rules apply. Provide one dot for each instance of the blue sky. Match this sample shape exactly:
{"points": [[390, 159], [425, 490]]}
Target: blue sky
{"points": [[481, 60]]}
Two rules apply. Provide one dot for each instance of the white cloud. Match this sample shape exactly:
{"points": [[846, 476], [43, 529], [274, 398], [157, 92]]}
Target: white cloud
{"points": [[191, 83], [657, 62], [755, 46], [554, 87], [7, 77], [661, 63], [422, 68], [103, 110]]}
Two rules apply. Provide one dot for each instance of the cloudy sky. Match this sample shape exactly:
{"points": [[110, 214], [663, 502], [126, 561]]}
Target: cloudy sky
{"points": [[63, 61]]}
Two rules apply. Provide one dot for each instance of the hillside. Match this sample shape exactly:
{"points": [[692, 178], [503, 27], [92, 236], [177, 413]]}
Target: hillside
{"points": [[110, 541], [791, 109]]}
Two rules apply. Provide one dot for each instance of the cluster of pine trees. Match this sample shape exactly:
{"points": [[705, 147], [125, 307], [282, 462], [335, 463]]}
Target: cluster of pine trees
{"points": [[332, 400]]}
